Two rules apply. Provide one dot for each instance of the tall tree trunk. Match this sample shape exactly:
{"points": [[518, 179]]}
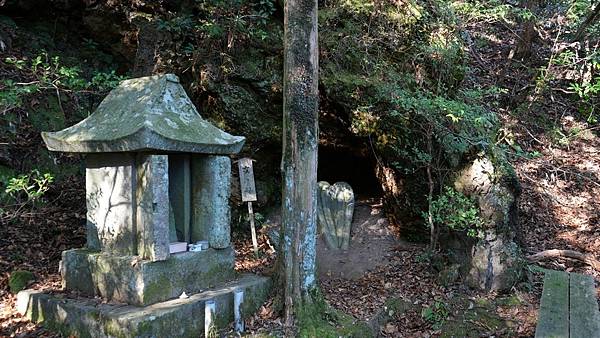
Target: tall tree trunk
{"points": [[299, 162], [528, 35]]}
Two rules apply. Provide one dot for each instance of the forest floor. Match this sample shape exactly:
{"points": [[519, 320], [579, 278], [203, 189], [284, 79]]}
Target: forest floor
{"points": [[557, 160], [556, 156]]}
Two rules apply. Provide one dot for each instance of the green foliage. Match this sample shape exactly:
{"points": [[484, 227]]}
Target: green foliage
{"points": [[491, 11], [178, 24], [264, 9], [18, 280], [105, 81], [49, 85], [588, 92], [11, 94], [436, 314], [398, 73], [29, 188], [215, 20], [457, 212], [259, 219], [577, 11]]}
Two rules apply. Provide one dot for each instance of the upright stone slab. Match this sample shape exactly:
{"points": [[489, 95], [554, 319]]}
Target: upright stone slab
{"points": [[152, 195], [211, 181], [335, 207], [110, 183]]}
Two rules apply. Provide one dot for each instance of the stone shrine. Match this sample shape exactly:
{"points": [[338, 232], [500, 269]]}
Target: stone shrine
{"points": [[157, 183]]}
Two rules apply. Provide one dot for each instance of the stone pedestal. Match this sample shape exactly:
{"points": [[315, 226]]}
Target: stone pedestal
{"points": [[171, 319], [125, 279]]}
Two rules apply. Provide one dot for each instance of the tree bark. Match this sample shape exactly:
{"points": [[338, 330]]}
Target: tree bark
{"points": [[589, 20], [525, 40], [299, 161]]}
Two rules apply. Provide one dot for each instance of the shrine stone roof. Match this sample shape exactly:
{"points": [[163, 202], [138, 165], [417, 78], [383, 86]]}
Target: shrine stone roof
{"points": [[145, 114]]}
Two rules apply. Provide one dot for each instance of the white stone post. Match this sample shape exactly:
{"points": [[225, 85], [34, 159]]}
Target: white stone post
{"points": [[210, 329], [238, 300]]}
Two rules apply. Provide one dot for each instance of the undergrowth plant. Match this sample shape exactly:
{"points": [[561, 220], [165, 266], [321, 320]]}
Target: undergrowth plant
{"points": [[29, 188], [588, 93], [436, 314], [49, 73], [457, 212]]}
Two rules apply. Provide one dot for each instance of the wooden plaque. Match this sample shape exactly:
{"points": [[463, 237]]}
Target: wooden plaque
{"points": [[247, 180]]}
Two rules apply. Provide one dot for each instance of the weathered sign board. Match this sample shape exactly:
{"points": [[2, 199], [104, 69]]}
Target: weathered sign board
{"points": [[248, 193], [247, 180]]}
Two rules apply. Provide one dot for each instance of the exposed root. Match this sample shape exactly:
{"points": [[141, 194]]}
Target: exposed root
{"points": [[554, 253]]}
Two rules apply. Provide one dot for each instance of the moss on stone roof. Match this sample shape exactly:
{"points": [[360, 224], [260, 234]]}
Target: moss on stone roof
{"points": [[145, 114]]}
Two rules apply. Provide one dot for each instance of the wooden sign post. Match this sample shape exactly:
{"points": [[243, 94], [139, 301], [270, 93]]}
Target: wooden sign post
{"points": [[248, 193]]}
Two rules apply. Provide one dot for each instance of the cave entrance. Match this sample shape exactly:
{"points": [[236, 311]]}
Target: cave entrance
{"points": [[354, 166]]}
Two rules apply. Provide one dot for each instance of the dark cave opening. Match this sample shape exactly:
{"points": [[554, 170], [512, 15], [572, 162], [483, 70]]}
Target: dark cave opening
{"points": [[354, 166]]}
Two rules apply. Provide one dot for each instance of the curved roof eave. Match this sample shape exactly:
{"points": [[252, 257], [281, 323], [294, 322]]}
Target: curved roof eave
{"points": [[143, 139]]}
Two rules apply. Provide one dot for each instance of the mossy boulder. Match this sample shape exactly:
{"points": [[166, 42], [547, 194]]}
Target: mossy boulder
{"points": [[495, 261], [19, 279]]}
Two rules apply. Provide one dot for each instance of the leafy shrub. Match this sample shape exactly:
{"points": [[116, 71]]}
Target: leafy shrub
{"points": [[588, 92], [457, 212], [29, 188]]}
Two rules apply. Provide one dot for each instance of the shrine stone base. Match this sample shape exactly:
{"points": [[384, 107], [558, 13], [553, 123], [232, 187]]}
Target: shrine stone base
{"points": [[85, 317], [127, 279]]}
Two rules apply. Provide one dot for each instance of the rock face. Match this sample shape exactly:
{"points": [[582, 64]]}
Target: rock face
{"points": [[335, 210], [494, 262]]}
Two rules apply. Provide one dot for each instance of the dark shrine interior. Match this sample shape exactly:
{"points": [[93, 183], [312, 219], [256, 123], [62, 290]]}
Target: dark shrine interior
{"points": [[354, 167]]}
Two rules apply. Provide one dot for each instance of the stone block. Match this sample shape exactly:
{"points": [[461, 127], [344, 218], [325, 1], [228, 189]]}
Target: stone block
{"points": [[127, 279], [110, 185], [152, 196], [211, 180], [174, 318]]}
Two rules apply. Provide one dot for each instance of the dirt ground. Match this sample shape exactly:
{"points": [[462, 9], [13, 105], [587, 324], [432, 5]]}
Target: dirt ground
{"points": [[371, 245]]}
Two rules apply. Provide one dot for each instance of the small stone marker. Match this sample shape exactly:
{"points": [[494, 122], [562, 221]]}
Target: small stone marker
{"points": [[176, 247], [335, 208], [248, 193]]}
